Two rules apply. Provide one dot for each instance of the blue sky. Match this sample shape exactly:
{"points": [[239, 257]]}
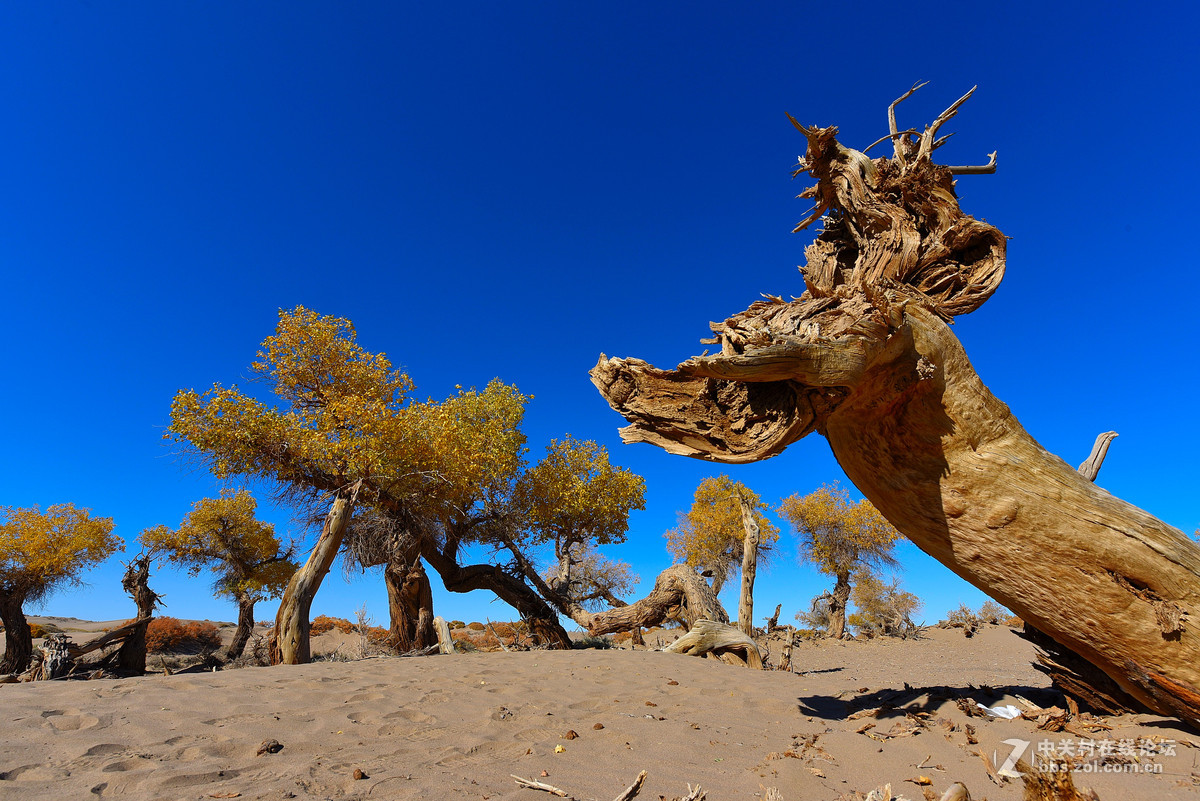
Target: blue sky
{"points": [[511, 189]]}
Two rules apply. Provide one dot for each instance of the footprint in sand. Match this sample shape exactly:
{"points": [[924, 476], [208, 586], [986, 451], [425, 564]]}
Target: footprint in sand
{"points": [[485, 752], [70, 719], [411, 715], [35, 773]]}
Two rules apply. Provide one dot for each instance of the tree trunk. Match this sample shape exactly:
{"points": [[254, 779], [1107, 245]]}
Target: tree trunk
{"points": [[864, 357], [18, 641], [131, 656], [542, 620], [678, 592], [410, 605], [773, 620], [837, 607], [749, 567], [245, 627], [290, 644]]}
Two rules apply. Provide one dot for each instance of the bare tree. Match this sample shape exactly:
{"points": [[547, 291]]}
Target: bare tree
{"points": [[865, 357]]}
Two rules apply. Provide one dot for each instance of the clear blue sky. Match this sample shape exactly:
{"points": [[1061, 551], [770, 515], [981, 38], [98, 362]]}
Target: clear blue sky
{"points": [[509, 189]]}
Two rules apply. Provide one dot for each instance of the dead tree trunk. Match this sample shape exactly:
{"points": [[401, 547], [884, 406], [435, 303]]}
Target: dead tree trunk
{"points": [[773, 620], [131, 657], [679, 592], [18, 641], [245, 627], [290, 642], [865, 358], [410, 605], [749, 568]]}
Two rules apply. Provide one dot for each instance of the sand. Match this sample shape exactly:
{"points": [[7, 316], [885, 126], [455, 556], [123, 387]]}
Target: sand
{"points": [[458, 726]]}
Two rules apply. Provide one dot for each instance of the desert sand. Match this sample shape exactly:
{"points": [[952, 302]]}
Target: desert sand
{"points": [[585, 721]]}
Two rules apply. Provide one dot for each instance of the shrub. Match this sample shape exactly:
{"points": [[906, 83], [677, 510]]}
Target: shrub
{"points": [[166, 634], [588, 641], [883, 609], [475, 626], [457, 624], [323, 623]]}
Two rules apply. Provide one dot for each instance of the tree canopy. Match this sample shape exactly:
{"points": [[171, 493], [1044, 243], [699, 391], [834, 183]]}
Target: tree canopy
{"points": [[223, 535], [711, 535], [42, 551], [839, 536]]}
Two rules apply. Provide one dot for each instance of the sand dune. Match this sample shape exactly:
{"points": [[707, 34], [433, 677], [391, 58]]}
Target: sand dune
{"points": [[458, 726]]}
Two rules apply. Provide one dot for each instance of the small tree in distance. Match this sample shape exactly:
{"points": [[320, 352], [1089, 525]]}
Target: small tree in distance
{"points": [[575, 500], [40, 552], [840, 538], [711, 535], [222, 535], [882, 608]]}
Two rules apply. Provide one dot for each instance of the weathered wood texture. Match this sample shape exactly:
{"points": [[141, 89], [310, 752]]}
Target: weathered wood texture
{"points": [[679, 593], [410, 606], [290, 643], [131, 657], [721, 640], [1091, 466], [749, 568], [444, 640], [865, 357]]}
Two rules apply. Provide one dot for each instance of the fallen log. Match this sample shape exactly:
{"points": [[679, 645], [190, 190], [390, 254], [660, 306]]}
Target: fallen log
{"points": [[108, 638], [722, 641]]}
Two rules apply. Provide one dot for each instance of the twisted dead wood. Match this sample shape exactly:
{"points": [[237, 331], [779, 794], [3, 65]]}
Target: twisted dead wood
{"points": [[864, 357]]}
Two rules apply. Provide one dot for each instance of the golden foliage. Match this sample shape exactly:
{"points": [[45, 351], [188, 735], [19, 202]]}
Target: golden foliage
{"points": [[324, 623], [882, 607], [839, 536], [346, 415], [576, 492], [166, 634], [40, 551], [711, 535], [222, 535]]}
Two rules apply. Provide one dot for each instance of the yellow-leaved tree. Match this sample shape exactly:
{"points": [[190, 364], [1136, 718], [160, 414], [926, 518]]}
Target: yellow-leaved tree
{"points": [[574, 501], [223, 535], [39, 553], [427, 479], [711, 534], [882, 608], [839, 537]]}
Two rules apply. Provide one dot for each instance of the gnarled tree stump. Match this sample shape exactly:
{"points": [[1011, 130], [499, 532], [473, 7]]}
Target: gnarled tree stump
{"points": [[864, 357], [721, 640], [679, 593]]}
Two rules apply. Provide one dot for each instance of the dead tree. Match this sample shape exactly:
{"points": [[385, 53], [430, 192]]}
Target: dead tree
{"points": [[679, 593], [749, 568], [865, 357], [131, 657]]}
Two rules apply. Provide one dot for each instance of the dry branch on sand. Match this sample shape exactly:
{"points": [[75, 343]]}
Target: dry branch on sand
{"points": [[865, 357]]}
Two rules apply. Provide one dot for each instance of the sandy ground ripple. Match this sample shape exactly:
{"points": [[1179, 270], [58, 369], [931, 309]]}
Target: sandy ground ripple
{"points": [[458, 726]]}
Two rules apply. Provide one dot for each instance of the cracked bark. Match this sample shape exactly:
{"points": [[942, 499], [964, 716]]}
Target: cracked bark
{"points": [[864, 357]]}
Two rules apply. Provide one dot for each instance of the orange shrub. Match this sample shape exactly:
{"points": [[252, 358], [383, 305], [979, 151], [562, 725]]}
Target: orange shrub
{"points": [[475, 626], [169, 634], [323, 623]]}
